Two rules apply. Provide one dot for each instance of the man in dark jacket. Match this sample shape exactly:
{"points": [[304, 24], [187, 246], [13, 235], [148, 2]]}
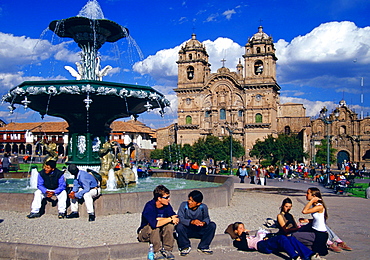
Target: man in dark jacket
{"points": [[50, 182]]}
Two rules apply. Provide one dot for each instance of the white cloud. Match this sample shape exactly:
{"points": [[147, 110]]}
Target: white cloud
{"points": [[163, 68], [229, 13], [212, 18], [330, 42]]}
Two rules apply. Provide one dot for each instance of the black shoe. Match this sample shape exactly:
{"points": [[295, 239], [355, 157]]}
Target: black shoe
{"points": [[33, 215], [91, 217], [73, 215], [61, 215]]}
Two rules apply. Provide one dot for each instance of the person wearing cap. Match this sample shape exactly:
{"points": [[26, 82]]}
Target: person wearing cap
{"points": [[50, 182], [85, 186], [203, 169]]}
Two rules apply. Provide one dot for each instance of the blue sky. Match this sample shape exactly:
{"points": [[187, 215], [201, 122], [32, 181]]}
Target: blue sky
{"points": [[323, 47]]}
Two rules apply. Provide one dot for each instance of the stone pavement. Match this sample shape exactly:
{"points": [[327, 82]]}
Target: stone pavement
{"points": [[348, 217]]}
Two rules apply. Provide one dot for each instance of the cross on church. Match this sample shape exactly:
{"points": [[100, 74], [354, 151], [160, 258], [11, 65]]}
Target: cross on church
{"points": [[223, 63], [261, 22]]}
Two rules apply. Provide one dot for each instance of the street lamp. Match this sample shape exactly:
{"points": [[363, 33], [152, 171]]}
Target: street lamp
{"points": [[328, 120], [231, 149]]}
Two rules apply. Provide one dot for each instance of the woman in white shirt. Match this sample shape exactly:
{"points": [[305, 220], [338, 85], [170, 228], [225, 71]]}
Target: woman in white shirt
{"points": [[317, 227]]}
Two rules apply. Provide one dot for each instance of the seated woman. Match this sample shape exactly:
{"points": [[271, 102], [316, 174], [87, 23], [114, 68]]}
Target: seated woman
{"points": [[288, 225], [280, 243]]}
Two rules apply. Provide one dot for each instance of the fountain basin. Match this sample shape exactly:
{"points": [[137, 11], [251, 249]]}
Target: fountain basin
{"points": [[121, 203]]}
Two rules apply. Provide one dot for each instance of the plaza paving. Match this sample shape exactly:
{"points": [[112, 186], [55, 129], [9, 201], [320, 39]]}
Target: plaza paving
{"points": [[348, 217]]}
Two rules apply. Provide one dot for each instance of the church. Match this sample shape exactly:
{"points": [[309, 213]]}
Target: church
{"points": [[246, 104]]}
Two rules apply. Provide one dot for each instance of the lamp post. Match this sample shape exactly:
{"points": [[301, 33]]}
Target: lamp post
{"points": [[231, 149], [327, 121]]}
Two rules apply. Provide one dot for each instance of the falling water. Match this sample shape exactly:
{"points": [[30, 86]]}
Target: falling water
{"points": [[92, 10], [33, 179], [134, 169], [111, 183]]}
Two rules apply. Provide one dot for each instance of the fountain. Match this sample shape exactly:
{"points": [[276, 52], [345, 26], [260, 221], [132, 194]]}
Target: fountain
{"points": [[88, 104]]}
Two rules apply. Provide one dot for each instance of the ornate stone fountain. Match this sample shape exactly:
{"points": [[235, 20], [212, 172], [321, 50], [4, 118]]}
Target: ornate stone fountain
{"points": [[88, 104]]}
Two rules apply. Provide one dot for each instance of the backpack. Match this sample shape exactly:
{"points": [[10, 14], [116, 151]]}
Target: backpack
{"points": [[96, 175]]}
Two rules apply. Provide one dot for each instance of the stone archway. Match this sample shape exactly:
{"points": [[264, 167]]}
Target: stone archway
{"points": [[341, 157]]}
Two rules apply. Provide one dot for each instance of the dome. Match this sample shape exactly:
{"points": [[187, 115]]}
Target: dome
{"points": [[260, 35], [193, 42]]}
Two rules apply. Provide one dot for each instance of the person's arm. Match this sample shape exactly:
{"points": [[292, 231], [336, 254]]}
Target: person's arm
{"points": [[86, 186], [40, 184], [184, 219], [163, 221], [308, 209], [287, 228], [61, 185]]}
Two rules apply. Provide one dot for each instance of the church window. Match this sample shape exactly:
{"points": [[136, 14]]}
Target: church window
{"points": [[240, 113], [258, 118], [258, 67], [287, 130], [222, 114], [258, 50], [190, 56], [207, 113], [188, 120], [190, 72], [342, 130]]}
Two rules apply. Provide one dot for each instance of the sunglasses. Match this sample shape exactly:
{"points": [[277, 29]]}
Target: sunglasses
{"points": [[166, 198]]}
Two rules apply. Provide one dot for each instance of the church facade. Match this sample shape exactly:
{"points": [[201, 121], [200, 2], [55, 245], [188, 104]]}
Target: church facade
{"points": [[246, 104]]}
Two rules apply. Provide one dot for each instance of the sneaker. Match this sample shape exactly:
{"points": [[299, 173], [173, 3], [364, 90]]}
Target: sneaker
{"points": [[91, 217], [317, 257], [168, 254], [159, 256], [344, 246], [33, 215], [73, 215], [185, 251], [61, 215], [206, 251]]}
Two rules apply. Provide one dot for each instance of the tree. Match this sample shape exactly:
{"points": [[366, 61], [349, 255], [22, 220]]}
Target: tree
{"points": [[284, 148], [321, 153], [238, 149], [187, 151], [156, 154], [172, 153]]}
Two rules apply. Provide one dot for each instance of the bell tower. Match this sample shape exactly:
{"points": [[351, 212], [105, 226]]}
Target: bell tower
{"points": [[193, 66], [260, 59]]}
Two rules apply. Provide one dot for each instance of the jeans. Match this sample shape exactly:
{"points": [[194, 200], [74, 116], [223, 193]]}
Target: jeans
{"points": [[205, 233], [280, 243]]}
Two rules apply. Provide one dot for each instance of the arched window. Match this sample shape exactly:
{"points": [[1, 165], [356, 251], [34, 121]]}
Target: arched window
{"points": [[342, 130], [240, 113], [287, 130], [190, 72], [189, 120], [258, 50], [258, 67], [190, 56], [222, 114], [207, 113], [258, 118]]}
